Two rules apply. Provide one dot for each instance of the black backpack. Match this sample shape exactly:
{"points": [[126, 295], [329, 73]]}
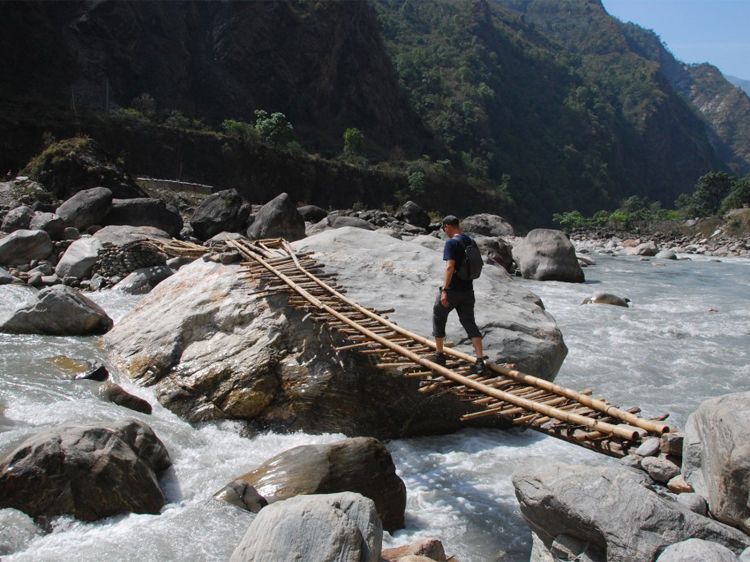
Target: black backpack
{"points": [[471, 268]]}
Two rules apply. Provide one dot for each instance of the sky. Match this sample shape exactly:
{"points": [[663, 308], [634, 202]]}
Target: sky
{"points": [[695, 31]]}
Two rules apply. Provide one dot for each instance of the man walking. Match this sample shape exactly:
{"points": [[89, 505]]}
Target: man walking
{"points": [[457, 293]]}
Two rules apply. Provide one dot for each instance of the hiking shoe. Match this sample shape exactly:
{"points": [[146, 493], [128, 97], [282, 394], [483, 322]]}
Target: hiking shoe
{"points": [[438, 358], [478, 367]]}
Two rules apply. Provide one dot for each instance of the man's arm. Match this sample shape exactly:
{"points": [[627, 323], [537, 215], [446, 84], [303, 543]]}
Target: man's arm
{"points": [[450, 268]]}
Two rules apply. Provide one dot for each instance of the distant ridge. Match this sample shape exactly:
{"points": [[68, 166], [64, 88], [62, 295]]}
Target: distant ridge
{"points": [[739, 82]]}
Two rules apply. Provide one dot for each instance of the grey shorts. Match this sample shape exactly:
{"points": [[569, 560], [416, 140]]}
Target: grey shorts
{"points": [[463, 302]]}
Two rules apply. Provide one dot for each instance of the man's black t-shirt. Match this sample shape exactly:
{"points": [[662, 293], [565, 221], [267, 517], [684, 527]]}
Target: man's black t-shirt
{"points": [[454, 250]]}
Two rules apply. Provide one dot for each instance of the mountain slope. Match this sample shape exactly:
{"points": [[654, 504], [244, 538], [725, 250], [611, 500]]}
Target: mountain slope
{"points": [[321, 63], [724, 108]]}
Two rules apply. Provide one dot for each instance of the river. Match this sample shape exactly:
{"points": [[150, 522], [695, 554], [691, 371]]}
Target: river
{"points": [[685, 338]]}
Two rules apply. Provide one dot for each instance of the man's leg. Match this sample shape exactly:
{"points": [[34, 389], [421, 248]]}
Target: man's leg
{"points": [[465, 309], [439, 319]]}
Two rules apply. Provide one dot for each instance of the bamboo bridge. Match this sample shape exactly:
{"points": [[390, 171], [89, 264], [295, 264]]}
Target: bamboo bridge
{"points": [[520, 399]]}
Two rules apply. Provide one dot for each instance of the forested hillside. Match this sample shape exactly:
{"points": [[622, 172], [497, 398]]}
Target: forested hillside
{"points": [[530, 107]]}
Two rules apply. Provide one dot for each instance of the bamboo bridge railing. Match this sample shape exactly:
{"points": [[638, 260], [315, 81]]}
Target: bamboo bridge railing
{"points": [[519, 398]]}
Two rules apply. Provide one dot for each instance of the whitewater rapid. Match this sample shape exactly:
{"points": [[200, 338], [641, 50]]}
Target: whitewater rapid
{"points": [[685, 338]]}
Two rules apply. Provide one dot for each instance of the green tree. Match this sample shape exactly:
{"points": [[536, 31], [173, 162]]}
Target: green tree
{"points": [[739, 196], [274, 128], [354, 142], [710, 191], [239, 130], [178, 120]]}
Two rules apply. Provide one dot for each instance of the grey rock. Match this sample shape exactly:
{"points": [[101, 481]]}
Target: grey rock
{"points": [[414, 214], [278, 219], [631, 461], [50, 223], [613, 509], [697, 550], [58, 311], [143, 280], [177, 262], [326, 528], [649, 448], [120, 235], [694, 502], [17, 530], [17, 219], [22, 246], [88, 471], [243, 495], [45, 268], [547, 255], [312, 213], [70, 233], [86, 208], [114, 393], [79, 259], [666, 255], [496, 251], [647, 249], [144, 211], [335, 221], [223, 211], [606, 298], [672, 443], [716, 457], [48, 280], [5, 277], [362, 465], [660, 469], [566, 547], [487, 225], [35, 279], [212, 351]]}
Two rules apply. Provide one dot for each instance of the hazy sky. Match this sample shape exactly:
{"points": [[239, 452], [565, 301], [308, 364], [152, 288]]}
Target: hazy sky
{"points": [[714, 31]]}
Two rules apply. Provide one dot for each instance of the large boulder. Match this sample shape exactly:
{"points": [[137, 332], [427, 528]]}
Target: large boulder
{"points": [[141, 281], [414, 214], [613, 509], [547, 255], [697, 550], [79, 259], [342, 221], [278, 219], [17, 218], [212, 351], [362, 465], [86, 208], [496, 251], [121, 235], [58, 311], [326, 528], [223, 211], [145, 211], [71, 165], [485, 224], [312, 213], [89, 472], [50, 223], [716, 457], [22, 246]]}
